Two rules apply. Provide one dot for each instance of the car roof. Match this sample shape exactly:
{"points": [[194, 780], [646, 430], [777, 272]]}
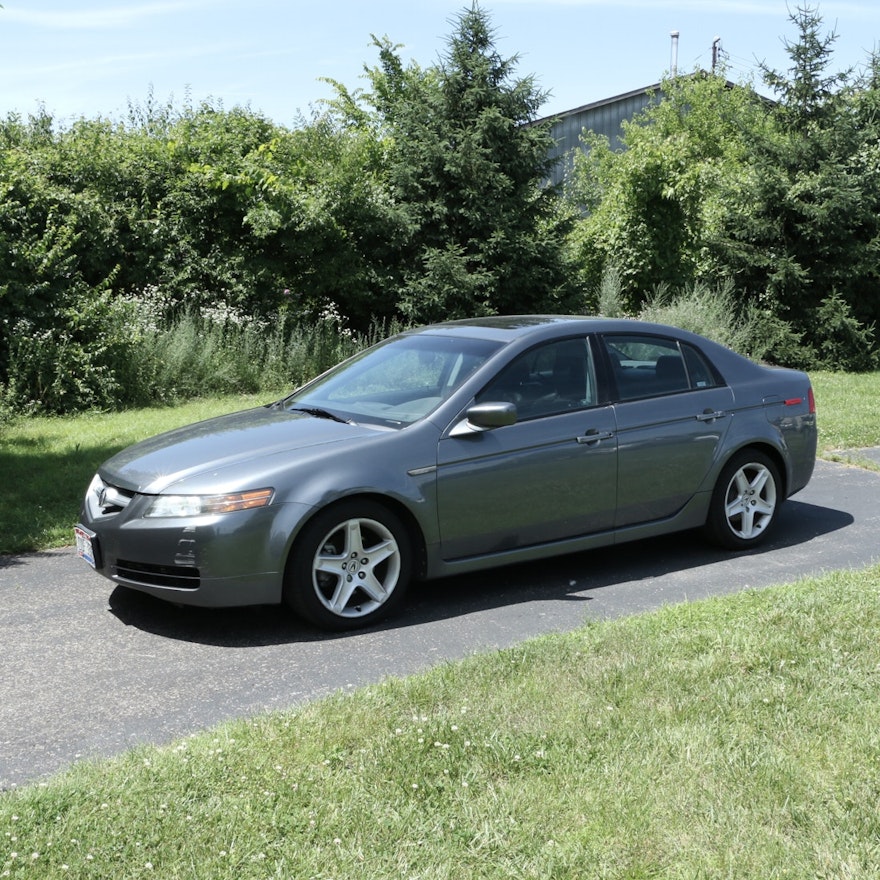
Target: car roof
{"points": [[507, 328]]}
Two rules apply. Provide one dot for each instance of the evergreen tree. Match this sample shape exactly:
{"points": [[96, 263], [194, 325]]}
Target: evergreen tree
{"points": [[802, 232], [466, 166]]}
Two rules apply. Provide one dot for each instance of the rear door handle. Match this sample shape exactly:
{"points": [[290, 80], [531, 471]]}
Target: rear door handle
{"points": [[593, 436], [708, 415]]}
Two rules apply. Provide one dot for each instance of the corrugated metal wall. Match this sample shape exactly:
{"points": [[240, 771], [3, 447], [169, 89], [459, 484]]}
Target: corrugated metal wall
{"points": [[602, 117]]}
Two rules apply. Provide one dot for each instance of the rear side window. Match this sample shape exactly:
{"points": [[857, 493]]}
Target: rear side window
{"points": [[650, 366], [700, 373]]}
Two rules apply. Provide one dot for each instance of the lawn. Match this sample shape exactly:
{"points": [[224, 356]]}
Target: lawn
{"points": [[47, 463], [735, 737]]}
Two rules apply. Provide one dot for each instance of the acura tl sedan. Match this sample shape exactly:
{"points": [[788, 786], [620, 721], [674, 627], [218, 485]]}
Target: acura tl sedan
{"points": [[454, 448]]}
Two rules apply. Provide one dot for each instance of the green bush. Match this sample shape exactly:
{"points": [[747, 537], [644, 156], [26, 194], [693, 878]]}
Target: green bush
{"points": [[89, 358], [110, 353], [835, 339], [840, 341], [717, 312], [221, 353]]}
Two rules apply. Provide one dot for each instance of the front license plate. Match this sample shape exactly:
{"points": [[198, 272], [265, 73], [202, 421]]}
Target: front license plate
{"points": [[85, 547]]}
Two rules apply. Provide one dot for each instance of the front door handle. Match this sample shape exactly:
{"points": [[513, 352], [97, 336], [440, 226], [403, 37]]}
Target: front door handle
{"points": [[594, 436]]}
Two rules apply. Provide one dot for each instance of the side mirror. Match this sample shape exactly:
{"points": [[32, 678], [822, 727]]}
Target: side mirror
{"points": [[485, 417]]}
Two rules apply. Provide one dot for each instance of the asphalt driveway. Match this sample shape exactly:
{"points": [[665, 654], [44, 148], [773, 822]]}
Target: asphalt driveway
{"points": [[88, 671]]}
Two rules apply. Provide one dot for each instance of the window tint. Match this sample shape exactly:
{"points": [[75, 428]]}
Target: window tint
{"points": [[701, 374], [550, 379], [647, 366]]}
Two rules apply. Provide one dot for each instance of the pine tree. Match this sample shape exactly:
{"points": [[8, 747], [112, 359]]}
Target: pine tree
{"points": [[467, 165]]}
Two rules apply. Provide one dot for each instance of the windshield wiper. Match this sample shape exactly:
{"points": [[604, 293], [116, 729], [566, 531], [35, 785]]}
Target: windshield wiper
{"points": [[320, 413]]}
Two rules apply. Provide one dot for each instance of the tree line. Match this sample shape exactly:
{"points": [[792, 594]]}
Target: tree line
{"points": [[423, 196]]}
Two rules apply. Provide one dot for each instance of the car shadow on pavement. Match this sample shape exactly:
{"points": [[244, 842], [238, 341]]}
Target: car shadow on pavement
{"points": [[560, 579]]}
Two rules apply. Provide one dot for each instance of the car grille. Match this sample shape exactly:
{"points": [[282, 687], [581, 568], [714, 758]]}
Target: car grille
{"points": [[110, 499], [180, 577]]}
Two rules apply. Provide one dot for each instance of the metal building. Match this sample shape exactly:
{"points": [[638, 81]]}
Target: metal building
{"points": [[603, 117]]}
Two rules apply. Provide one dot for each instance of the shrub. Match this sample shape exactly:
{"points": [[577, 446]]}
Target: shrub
{"points": [[715, 312], [109, 353], [841, 342], [89, 357]]}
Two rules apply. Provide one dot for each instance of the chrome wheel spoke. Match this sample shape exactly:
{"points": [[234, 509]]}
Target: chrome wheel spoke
{"points": [[757, 485], [373, 587], [341, 595], [354, 539], [734, 508], [764, 507], [331, 565], [380, 552], [747, 522]]}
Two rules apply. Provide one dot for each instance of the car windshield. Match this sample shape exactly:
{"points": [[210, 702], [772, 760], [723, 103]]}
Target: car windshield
{"points": [[396, 382]]}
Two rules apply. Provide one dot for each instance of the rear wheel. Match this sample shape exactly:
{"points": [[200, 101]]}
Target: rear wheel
{"points": [[349, 567], [745, 501]]}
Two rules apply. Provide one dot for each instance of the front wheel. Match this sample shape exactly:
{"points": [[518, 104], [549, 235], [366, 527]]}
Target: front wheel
{"points": [[745, 501], [349, 567]]}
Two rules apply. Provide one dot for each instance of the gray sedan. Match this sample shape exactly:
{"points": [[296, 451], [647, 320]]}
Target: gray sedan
{"points": [[448, 449]]}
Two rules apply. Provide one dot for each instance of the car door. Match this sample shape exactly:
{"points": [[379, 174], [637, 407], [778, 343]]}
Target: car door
{"points": [[672, 411], [549, 476]]}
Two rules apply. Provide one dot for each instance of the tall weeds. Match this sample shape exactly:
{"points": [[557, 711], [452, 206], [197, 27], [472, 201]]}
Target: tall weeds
{"points": [[713, 311], [148, 360]]}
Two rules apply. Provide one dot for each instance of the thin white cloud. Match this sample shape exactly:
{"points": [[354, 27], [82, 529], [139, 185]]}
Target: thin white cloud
{"points": [[94, 64], [111, 18]]}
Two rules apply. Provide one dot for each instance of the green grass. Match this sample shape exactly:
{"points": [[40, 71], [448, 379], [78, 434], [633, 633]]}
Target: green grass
{"points": [[46, 463], [731, 738], [848, 413]]}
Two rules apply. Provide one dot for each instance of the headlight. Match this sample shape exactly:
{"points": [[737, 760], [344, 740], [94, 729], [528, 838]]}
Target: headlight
{"points": [[199, 505]]}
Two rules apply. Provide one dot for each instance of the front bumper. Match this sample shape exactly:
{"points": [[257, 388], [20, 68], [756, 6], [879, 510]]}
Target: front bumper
{"points": [[219, 560]]}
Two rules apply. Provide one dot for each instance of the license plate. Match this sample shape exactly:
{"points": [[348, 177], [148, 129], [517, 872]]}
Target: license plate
{"points": [[84, 547]]}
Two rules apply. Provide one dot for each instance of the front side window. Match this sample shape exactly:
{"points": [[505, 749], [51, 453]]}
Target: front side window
{"points": [[550, 379]]}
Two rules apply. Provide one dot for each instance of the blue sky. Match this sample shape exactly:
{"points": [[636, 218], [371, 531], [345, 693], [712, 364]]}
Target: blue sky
{"points": [[93, 57]]}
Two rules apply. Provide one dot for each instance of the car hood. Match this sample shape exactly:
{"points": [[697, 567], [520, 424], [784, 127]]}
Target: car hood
{"points": [[224, 454]]}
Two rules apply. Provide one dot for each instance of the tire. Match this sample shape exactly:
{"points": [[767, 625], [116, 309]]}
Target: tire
{"points": [[350, 566], [745, 501]]}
